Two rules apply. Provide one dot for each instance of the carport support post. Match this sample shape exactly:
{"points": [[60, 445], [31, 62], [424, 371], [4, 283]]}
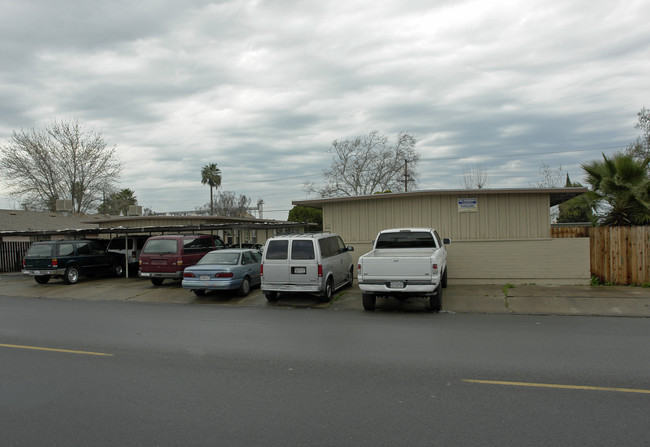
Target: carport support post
{"points": [[126, 255]]}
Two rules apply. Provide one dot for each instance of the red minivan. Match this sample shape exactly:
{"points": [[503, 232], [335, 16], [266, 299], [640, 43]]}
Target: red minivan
{"points": [[165, 257]]}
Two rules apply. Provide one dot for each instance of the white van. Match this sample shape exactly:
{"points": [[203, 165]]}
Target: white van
{"points": [[314, 263], [133, 248]]}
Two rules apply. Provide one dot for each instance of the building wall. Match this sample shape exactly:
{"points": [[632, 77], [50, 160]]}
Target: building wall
{"points": [[506, 240], [498, 216]]}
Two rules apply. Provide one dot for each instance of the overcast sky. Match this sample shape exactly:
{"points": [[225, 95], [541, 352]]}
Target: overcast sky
{"points": [[262, 88]]}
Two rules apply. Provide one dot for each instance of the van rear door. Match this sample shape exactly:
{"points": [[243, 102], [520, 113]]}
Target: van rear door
{"points": [[303, 265], [276, 267]]}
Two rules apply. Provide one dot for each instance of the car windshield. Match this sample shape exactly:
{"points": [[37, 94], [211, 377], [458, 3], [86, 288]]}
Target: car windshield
{"points": [[220, 258]]}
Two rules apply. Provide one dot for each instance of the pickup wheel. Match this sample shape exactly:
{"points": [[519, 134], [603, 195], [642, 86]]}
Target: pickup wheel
{"points": [[435, 300], [42, 279], [369, 301], [326, 295], [157, 281], [271, 296], [444, 279], [71, 275]]}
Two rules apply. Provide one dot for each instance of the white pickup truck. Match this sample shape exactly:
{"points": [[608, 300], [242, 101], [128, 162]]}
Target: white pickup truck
{"points": [[404, 262]]}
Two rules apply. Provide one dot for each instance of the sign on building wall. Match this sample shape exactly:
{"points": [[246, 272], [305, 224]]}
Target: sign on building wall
{"points": [[467, 205]]}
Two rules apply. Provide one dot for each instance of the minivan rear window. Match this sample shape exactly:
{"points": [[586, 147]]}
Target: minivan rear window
{"points": [[161, 246], [277, 250], [302, 250]]}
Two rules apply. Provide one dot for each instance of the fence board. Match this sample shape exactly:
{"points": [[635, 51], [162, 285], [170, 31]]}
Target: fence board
{"points": [[11, 255]]}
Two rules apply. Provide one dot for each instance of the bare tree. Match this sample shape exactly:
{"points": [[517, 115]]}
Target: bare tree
{"points": [[549, 177], [226, 204], [61, 161], [364, 165], [476, 177], [640, 148]]}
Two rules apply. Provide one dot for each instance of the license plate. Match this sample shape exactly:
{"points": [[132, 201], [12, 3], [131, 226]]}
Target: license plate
{"points": [[204, 277], [396, 285], [300, 270]]}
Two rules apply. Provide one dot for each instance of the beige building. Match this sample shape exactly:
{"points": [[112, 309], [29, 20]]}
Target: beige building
{"points": [[498, 236]]}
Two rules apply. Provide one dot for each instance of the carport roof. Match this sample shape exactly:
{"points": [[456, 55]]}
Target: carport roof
{"points": [[556, 195]]}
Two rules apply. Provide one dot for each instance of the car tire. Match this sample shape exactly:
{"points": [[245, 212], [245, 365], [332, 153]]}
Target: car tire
{"points": [[351, 278], [199, 292], [444, 279], [435, 300], [42, 279], [245, 287], [271, 296], [118, 269], [369, 301], [326, 294], [71, 275], [157, 281]]}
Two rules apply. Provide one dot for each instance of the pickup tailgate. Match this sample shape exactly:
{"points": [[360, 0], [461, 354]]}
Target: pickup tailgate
{"points": [[387, 265]]}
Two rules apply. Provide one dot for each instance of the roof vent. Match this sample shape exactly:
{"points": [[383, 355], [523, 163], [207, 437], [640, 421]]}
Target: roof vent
{"points": [[63, 205]]}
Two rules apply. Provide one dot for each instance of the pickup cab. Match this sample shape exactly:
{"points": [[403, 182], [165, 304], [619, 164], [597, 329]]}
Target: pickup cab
{"points": [[404, 263]]}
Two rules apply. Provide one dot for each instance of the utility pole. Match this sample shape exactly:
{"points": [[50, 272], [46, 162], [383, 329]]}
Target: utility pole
{"points": [[406, 176]]}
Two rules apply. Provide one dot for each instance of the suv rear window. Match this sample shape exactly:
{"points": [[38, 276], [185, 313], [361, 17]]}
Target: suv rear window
{"points": [[277, 250], [40, 250], [66, 250], [161, 246], [302, 250]]}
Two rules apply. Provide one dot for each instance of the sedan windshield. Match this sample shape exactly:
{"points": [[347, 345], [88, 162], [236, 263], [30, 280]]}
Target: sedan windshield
{"points": [[220, 258]]}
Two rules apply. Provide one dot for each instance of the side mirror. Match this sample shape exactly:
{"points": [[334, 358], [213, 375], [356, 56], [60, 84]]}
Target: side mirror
{"points": [[350, 248], [446, 241]]}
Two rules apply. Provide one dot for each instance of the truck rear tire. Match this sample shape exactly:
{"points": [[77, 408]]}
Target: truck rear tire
{"points": [[444, 279], [71, 275], [157, 281], [42, 279], [271, 296], [435, 300], [369, 301]]}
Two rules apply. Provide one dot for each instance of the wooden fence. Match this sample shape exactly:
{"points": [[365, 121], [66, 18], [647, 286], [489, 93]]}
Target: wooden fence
{"points": [[618, 255], [11, 255]]}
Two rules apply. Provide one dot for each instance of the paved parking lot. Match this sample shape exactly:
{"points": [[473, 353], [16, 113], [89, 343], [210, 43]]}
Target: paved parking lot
{"points": [[494, 299]]}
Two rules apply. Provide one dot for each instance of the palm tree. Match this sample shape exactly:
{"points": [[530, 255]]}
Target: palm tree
{"points": [[622, 185], [211, 175]]}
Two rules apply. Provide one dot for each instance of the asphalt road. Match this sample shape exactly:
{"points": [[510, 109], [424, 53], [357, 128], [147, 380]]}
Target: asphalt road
{"points": [[155, 374]]}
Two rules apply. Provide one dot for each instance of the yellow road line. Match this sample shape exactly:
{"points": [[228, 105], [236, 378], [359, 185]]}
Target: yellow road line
{"points": [[68, 351], [566, 387]]}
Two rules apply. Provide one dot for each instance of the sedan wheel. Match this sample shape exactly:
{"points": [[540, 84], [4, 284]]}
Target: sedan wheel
{"points": [[199, 292], [245, 287]]}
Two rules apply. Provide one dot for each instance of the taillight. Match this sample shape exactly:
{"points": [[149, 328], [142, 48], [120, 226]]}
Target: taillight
{"points": [[55, 262], [435, 269], [188, 275], [179, 261], [261, 269], [224, 275], [23, 262], [320, 271]]}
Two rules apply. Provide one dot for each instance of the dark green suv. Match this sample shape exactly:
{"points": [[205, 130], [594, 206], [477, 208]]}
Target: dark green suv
{"points": [[69, 260]]}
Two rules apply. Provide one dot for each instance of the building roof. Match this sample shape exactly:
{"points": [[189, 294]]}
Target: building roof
{"points": [[557, 195], [25, 221]]}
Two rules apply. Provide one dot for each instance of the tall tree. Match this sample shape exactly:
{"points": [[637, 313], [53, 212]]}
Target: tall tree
{"points": [[475, 177], [118, 202], [620, 185], [227, 204], [364, 165], [579, 209], [211, 175], [60, 161], [301, 213]]}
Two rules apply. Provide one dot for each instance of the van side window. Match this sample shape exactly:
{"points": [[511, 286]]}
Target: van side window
{"points": [[341, 244], [328, 247], [277, 250], [302, 250]]}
